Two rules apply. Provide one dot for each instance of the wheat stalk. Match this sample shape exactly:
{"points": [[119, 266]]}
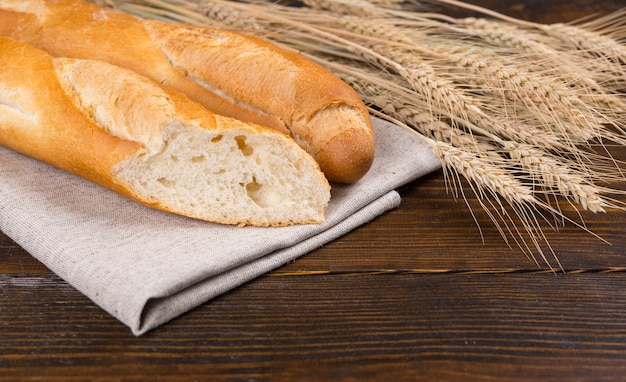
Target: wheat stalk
{"points": [[524, 112]]}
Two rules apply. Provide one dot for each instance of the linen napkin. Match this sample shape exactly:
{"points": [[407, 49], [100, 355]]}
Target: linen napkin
{"points": [[146, 267]]}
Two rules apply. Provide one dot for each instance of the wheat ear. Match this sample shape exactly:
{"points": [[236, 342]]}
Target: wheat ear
{"points": [[524, 117]]}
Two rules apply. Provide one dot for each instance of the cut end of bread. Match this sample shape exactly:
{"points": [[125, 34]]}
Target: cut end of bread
{"points": [[234, 176]]}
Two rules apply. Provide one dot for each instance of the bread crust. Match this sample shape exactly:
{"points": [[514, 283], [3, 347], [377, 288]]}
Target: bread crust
{"points": [[84, 149], [91, 118], [342, 141], [83, 30], [228, 72]]}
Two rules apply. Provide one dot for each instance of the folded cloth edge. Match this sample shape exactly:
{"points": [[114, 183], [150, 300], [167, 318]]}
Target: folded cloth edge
{"points": [[158, 311]]}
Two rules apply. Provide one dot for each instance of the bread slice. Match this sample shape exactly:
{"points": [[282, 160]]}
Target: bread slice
{"points": [[152, 144]]}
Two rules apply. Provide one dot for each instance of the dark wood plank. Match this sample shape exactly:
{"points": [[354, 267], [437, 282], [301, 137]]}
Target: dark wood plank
{"points": [[16, 260], [431, 231], [388, 327]]}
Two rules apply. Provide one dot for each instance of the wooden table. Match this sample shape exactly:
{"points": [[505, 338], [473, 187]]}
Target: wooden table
{"points": [[415, 294]]}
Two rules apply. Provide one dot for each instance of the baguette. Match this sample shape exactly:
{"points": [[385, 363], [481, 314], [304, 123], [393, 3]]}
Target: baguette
{"points": [[230, 73], [149, 143]]}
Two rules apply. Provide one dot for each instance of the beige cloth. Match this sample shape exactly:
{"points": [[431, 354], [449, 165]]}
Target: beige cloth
{"points": [[146, 267]]}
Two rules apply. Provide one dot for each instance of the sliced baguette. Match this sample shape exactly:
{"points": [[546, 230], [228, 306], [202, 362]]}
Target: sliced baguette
{"points": [[230, 73], [152, 144]]}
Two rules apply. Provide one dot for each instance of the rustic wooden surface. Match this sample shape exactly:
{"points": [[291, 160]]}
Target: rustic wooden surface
{"points": [[415, 294]]}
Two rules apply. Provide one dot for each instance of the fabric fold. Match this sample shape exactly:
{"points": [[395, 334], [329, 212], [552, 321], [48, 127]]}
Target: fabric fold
{"points": [[146, 267]]}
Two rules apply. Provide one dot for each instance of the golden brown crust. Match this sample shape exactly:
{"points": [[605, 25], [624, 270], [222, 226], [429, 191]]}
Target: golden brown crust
{"points": [[84, 30], [300, 90], [277, 88], [127, 133], [85, 149], [352, 148]]}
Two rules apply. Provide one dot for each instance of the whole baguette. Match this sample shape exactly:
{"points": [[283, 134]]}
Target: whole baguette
{"points": [[154, 145], [248, 76]]}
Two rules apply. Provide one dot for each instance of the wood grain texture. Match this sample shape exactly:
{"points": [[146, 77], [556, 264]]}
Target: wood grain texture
{"points": [[417, 294], [358, 327]]}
